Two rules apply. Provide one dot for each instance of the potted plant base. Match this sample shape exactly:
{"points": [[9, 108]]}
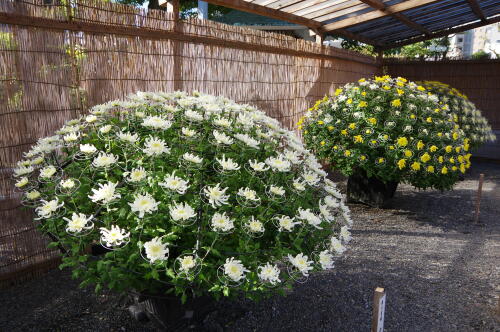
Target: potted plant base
{"points": [[370, 191], [168, 312]]}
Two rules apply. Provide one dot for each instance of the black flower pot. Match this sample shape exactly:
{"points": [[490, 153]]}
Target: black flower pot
{"points": [[371, 191], [168, 312]]}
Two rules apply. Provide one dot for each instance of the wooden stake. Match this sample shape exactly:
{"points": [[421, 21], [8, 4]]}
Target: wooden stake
{"points": [[478, 198], [378, 310]]}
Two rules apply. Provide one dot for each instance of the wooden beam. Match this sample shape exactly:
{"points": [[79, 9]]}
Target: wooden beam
{"points": [[358, 19], [107, 29], [265, 11], [443, 33], [379, 5], [474, 5], [171, 5]]}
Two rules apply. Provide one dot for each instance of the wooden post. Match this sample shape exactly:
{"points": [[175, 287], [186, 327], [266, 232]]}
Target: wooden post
{"points": [[378, 310], [478, 198]]}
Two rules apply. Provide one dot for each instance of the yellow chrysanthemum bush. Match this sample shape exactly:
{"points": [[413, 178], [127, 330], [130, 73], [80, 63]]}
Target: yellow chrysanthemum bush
{"points": [[388, 129], [465, 113], [185, 195]]}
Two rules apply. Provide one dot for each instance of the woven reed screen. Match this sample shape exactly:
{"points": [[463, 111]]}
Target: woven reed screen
{"points": [[478, 79], [56, 61]]}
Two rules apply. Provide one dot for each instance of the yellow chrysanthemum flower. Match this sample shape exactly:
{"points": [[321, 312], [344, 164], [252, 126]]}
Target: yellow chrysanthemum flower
{"points": [[396, 103], [448, 148], [420, 145], [338, 91], [420, 88], [440, 159], [362, 104], [457, 149], [433, 148], [408, 153], [349, 101], [363, 93], [429, 119], [381, 160], [402, 163], [343, 132], [402, 141], [358, 139], [330, 128], [361, 80], [415, 166], [425, 157], [322, 143], [400, 92], [462, 168], [320, 122], [452, 160], [352, 125], [347, 153], [444, 170], [430, 169], [373, 121], [455, 136]]}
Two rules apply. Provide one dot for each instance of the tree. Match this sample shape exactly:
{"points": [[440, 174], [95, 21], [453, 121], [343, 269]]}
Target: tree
{"points": [[187, 7]]}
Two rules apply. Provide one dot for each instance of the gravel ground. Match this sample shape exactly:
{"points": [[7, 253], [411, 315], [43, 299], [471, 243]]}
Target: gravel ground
{"points": [[440, 272]]}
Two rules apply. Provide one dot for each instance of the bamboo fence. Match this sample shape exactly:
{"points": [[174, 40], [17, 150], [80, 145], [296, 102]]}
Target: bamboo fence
{"points": [[58, 60]]}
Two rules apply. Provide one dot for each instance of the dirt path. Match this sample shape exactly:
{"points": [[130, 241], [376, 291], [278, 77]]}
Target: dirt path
{"points": [[441, 273]]}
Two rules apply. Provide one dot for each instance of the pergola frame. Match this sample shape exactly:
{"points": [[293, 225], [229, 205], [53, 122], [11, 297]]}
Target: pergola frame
{"points": [[345, 17]]}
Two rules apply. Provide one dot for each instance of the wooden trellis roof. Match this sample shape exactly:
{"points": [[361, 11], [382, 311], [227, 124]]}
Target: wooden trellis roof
{"points": [[382, 23]]}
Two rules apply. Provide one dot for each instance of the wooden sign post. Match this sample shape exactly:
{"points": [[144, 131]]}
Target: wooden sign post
{"points": [[478, 198], [378, 310]]}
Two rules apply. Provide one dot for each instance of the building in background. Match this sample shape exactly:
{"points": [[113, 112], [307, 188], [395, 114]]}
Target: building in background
{"points": [[486, 39]]}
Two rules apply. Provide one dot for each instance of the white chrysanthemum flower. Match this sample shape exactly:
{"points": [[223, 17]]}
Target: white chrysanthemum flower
{"points": [[286, 223], [140, 114], [23, 170], [156, 122], [181, 211], [326, 260], [104, 160], [128, 137], [301, 263], [68, 184], [136, 175], [175, 183], [187, 263], [325, 212], [192, 158], [258, 166], [333, 191], [311, 178], [221, 222], [47, 172], [331, 201], [32, 195], [269, 273], [78, 223], [114, 236], [276, 190], [279, 164], [336, 245], [227, 164], [88, 149], [22, 182], [144, 204], [222, 138], [299, 185], [105, 193], [106, 129], [222, 122], [91, 118], [154, 146], [234, 269], [245, 119], [156, 250], [255, 226], [251, 142], [37, 160], [193, 115], [345, 235], [48, 208], [248, 194], [292, 156], [71, 137], [311, 218], [188, 132], [216, 196]]}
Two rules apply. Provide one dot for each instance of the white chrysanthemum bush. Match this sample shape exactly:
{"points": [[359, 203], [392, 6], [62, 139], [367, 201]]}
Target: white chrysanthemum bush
{"points": [[187, 194], [389, 129], [475, 126]]}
